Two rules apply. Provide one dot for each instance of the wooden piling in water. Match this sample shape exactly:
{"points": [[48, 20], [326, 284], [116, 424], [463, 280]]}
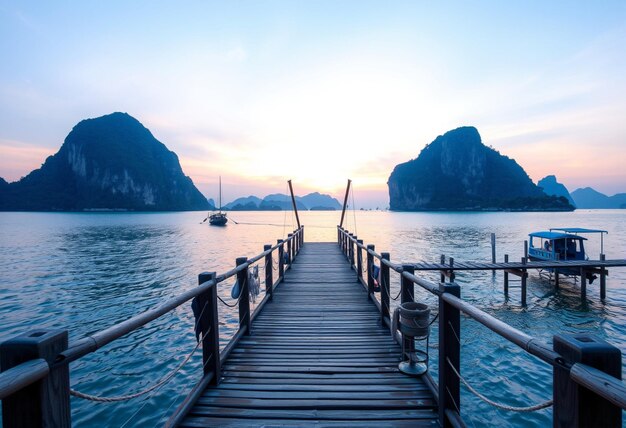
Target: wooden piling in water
{"points": [[556, 279], [583, 285], [524, 281], [602, 279], [506, 277], [493, 251]]}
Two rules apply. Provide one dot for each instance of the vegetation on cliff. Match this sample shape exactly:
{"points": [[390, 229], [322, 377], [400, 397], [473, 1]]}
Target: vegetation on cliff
{"points": [[458, 172]]}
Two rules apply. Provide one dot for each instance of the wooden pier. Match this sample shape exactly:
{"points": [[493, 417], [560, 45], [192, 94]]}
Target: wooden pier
{"points": [[316, 351], [521, 268], [316, 355]]}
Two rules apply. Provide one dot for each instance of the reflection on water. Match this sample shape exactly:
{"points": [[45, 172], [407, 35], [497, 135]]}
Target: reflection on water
{"points": [[85, 272]]}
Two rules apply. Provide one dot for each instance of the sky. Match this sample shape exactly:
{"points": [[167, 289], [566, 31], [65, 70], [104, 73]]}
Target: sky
{"points": [[260, 92]]}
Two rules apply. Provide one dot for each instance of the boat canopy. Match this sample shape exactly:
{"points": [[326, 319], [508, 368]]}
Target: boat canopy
{"points": [[577, 230], [554, 235]]}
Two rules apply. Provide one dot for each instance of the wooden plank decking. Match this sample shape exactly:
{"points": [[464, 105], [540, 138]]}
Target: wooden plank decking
{"points": [[317, 356]]}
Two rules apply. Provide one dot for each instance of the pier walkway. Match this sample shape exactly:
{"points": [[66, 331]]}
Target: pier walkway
{"points": [[317, 355], [317, 350]]}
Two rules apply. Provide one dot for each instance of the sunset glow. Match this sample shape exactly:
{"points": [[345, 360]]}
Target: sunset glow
{"points": [[262, 92]]}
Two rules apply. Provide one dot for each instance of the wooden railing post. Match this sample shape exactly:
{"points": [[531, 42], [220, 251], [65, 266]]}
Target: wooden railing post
{"points": [[244, 297], [269, 272], [449, 349], [45, 403], [209, 326], [442, 259], [574, 405], [289, 249], [370, 278], [351, 242], [384, 289], [407, 293], [359, 261], [452, 276], [339, 235], [281, 259], [407, 287]]}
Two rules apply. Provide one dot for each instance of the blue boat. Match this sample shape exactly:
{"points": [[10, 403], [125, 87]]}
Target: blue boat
{"points": [[562, 244]]}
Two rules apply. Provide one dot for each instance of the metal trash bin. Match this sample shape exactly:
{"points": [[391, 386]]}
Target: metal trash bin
{"points": [[414, 325]]}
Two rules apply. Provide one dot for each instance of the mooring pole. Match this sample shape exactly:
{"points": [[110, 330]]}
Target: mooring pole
{"points": [[293, 201], [493, 251], [345, 203], [602, 278], [506, 277]]}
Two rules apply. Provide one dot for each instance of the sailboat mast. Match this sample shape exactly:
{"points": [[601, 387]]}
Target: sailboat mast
{"points": [[220, 193]]}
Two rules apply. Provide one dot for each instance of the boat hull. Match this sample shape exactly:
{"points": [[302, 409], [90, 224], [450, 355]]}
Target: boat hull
{"points": [[563, 271], [218, 219]]}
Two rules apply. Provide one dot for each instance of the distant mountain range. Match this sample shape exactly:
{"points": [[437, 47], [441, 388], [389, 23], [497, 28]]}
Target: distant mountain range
{"points": [[590, 198], [458, 172], [552, 187], [109, 163], [278, 202], [586, 198]]}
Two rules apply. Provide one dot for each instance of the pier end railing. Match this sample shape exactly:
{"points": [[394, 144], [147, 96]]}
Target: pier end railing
{"points": [[46, 402], [587, 371]]}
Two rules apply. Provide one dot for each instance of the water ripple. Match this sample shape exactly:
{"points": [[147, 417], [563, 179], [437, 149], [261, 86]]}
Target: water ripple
{"points": [[86, 272]]}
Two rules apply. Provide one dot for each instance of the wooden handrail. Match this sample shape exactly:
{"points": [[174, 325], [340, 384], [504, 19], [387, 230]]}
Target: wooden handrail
{"points": [[97, 340], [502, 329], [607, 386], [29, 372], [526, 342], [22, 375]]}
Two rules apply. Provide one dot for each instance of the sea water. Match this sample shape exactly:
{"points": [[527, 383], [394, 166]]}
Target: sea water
{"points": [[87, 271]]}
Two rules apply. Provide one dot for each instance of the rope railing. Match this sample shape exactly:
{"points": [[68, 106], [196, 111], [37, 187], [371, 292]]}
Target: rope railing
{"points": [[495, 404], [608, 387], [22, 375], [162, 381]]}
